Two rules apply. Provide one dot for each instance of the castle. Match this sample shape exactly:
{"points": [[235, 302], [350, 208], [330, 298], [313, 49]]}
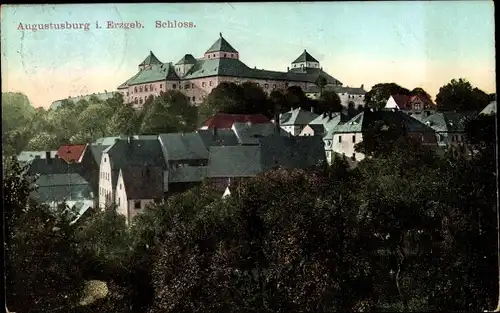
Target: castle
{"points": [[221, 63]]}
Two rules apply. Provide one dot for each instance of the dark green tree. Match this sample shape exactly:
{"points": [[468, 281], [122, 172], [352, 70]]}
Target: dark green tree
{"points": [[379, 94], [460, 95]]}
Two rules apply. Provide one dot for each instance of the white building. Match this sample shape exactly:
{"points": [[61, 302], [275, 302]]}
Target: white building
{"points": [[348, 95], [295, 120]]}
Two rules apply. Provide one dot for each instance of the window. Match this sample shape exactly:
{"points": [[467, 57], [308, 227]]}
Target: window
{"points": [[266, 86], [173, 86], [225, 55], [210, 83], [140, 100], [135, 89], [146, 88], [340, 138], [135, 100], [353, 138], [274, 86], [140, 89], [203, 84], [194, 99], [213, 55], [105, 159], [151, 87], [354, 156], [161, 86], [137, 204], [286, 85], [120, 186], [186, 87], [127, 93], [118, 201], [209, 56]]}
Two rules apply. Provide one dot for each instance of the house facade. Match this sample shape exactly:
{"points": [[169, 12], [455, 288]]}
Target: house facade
{"points": [[131, 196], [407, 103], [196, 77], [295, 120], [354, 96]]}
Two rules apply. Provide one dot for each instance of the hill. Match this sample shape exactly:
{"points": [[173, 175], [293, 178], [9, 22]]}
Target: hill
{"points": [[16, 110]]}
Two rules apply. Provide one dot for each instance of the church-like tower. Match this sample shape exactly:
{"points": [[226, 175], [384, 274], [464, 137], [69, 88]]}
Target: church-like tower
{"points": [[151, 59], [184, 65], [221, 49], [305, 60]]}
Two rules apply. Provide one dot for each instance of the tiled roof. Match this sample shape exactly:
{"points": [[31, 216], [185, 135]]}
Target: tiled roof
{"points": [[62, 186], [52, 166], [235, 161], [401, 100], [187, 59], [153, 73], [183, 146], [143, 182], [26, 156], [150, 59], [218, 137], [311, 75], [187, 174], [221, 45], [134, 153], [445, 122], [490, 108], [103, 96], [226, 121], [71, 153], [297, 117], [250, 134], [272, 151], [327, 122], [305, 57]]}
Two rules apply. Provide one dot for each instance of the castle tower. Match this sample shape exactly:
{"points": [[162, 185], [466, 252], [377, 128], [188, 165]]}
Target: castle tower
{"points": [[221, 49], [305, 60], [151, 59], [184, 65]]}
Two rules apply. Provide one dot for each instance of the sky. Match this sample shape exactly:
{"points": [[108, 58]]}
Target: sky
{"points": [[415, 44]]}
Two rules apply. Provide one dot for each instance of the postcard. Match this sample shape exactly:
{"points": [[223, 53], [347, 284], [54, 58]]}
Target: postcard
{"points": [[266, 157]]}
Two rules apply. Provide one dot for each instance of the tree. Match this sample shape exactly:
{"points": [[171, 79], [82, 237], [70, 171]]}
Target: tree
{"points": [[161, 116], [16, 111], [278, 102], [225, 98], [43, 141], [125, 121], [329, 102], [379, 94], [459, 95], [321, 82], [94, 121], [256, 100], [42, 272], [296, 97]]}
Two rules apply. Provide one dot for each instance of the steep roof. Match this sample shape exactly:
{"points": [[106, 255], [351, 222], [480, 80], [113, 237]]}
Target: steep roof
{"points": [[272, 151], [221, 45], [305, 57], [445, 122], [226, 121], [297, 117], [401, 100], [218, 137], [491, 108], [71, 153], [135, 180], [150, 59], [249, 134], [187, 59], [153, 73], [183, 146], [134, 153], [62, 186]]}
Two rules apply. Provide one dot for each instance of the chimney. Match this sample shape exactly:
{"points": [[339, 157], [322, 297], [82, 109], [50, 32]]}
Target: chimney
{"points": [[362, 86], [277, 123], [214, 133], [330, 114], [47, 156], [288, 68], [427, 113]]}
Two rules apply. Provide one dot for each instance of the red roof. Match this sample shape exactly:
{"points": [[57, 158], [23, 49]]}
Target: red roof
{"points": [[71, 153], [226, 121], [401, 100]]}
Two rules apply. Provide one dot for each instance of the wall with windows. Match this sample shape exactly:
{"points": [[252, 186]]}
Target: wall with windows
{"points": [[138, 94], [222, 55], [343, 143], [106, 192]]}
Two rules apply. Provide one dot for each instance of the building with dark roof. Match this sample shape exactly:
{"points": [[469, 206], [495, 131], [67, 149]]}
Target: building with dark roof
{"points": [[348, 95], [196, 77], [138, 187]]}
